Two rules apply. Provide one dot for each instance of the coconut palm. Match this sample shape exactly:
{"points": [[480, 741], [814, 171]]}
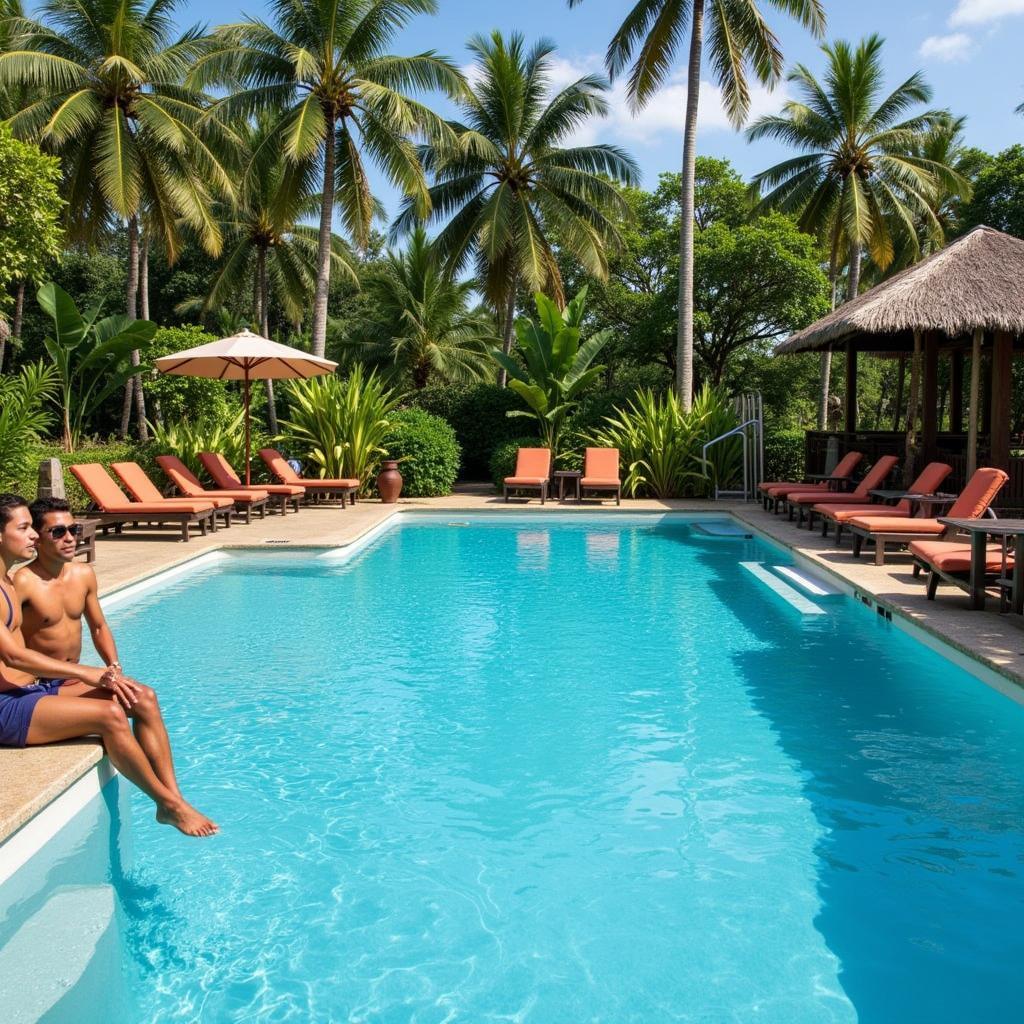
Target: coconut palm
{"points": [[511, 184], [739, 41], [861, 171], [106, 95], [341, 97], [424, 326]]}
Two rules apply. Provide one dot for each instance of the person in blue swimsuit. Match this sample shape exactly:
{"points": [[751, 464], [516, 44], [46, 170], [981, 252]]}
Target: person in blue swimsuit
{"points": [[34, 688]]}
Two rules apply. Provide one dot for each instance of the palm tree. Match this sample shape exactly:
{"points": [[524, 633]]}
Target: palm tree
{"points": [[509, 186], [423, 326], [106, 78], [325, 65], [738, 41], [860, 172]]}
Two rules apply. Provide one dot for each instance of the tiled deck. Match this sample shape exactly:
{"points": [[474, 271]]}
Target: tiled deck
{"points": [[30, 779]]}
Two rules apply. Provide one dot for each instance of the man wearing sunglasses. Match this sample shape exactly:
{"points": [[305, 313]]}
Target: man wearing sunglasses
{"points": [[55, 593]]}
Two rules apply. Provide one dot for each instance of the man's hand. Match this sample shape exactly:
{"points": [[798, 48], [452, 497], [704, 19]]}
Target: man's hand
{"points": [[124, 689]]}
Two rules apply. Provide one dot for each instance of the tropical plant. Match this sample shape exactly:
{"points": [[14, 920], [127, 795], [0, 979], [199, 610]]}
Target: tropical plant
{"points": [[558, 366], [738, 40], [340, 425], [423, 327], [92, 357], [187, 437], [24, 417], [858, 174], [427, 449], [340, 96], [660, 443], [512, 181]]}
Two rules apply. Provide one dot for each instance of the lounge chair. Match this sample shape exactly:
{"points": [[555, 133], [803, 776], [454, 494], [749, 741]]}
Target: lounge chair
{"points": [[114, 509], [225, 477], [141, 488], [951, 561], [601, 472], [533, 473], [927, 482], [774, 490], [347, 487], [803, 502], [246, 501], [974, 501]]}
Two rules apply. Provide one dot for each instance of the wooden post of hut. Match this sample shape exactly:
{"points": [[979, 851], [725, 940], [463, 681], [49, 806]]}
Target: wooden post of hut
{"points": [[1002, 383], [973, 409], [930, 392]]}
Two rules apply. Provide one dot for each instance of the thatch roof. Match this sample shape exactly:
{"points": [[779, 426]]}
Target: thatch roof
{"points": [[976, 281]]}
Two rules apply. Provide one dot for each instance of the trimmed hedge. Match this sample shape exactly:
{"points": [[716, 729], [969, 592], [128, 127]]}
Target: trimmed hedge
{"points": [[477, 412], [429, 451], [784, 455], [114, 451], [503, 459]]}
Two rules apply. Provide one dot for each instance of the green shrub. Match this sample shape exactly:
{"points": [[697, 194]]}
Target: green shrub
{"points": [[477, 412], [428, 449], [105, 454], [24, 417], [784, 455], [179, 397], [503, 458]]}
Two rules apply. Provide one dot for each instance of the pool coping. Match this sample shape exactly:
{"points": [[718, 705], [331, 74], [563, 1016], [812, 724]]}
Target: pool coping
{"points": [[61, 766]]}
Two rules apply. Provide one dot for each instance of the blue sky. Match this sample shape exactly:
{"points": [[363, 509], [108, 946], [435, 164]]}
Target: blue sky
{"points": [[970, 51]]}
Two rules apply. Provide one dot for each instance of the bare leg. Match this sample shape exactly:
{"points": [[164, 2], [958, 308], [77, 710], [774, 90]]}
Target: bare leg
{"points": [[56, 719]]}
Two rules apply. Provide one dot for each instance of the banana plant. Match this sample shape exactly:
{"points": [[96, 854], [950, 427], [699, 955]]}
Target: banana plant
{"points": [[92, 358], [558, 365]]}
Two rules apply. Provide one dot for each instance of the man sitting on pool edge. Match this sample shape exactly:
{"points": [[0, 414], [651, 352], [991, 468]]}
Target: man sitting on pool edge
{"points": [[86, 700]]}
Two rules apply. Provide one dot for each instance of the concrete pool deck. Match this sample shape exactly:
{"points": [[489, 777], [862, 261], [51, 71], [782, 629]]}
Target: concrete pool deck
{"points": [[31, 779]]}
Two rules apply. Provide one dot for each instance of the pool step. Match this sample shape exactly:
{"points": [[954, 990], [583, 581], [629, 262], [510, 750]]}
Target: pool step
{"points": [[782, 589], [808, 582], [722, 528]]}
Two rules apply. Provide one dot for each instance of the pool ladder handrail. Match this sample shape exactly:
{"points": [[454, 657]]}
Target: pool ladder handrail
{"points": [[751, 430]]}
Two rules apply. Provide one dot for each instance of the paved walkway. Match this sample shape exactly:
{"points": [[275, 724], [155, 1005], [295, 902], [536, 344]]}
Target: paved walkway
{"points": [[30, 779]]}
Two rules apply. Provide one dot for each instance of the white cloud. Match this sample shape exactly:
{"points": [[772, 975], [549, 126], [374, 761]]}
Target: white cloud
{"points": [[956, 46], [978, 12]]}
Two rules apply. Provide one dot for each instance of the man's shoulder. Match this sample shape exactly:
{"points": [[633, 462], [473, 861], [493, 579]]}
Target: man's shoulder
{"points": [[26, 578], [81, 574]]}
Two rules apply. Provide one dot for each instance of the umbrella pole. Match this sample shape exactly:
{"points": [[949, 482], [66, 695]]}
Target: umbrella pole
{"points": [[248, 440]]}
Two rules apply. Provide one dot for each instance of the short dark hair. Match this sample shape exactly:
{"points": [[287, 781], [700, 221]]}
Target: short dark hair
{"points": [[41, 506], [8, 503]]}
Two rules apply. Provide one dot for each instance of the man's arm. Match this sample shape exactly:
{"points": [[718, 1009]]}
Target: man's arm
{"points": [[17, 656], [102, 638]]}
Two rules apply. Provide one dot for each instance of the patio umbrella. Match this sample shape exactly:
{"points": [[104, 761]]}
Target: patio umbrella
{"points": [[246, 357]]}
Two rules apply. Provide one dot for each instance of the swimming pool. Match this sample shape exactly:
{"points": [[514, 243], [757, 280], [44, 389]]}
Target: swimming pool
{"points": [[544, 769]]}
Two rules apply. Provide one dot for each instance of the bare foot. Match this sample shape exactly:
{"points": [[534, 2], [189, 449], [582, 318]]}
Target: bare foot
{"points": [[185, 818]]}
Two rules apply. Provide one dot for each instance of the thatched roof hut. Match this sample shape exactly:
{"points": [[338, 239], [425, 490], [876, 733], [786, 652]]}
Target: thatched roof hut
{"points": [[976, 282]]}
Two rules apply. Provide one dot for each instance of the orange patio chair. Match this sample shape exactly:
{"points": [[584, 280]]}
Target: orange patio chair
{"points": [[533, 473], [347, 487], [141, 488], [601, 472], [225, 477], [928, 482], [185, 481], [804, 501], [772, 491], [112, 507], [974, 501], [950, 561]]}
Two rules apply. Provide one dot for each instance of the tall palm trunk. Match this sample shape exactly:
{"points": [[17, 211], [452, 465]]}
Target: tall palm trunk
{"points": [[826, 359], [15, 333], [140, 394], [508, 327], [264, 315], [323, 249], [130, 308], [853, 284], [684, 340]]}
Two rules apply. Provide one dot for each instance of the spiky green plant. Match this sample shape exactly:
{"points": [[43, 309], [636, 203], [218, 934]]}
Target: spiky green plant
{"points": [[186, 438], [340, 425], [24, 416]]}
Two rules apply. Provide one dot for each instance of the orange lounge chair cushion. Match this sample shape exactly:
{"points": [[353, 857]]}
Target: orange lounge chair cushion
{"points": [[978, 493], [898, 524], [844, 513], [277, 465], [593, 481], [952, 557], [532, 464], [525, 481], [188, 483], [600, 464], [217, 466], [100, 486], [931, 478], [134, 477], [844, 467]]}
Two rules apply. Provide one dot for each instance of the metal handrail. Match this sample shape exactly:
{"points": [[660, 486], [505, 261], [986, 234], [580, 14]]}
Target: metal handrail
{"points": [[742, 431], [751, 430]]}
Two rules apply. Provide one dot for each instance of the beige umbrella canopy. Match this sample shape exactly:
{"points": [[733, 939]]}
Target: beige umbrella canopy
{"points": [[246, 357]]}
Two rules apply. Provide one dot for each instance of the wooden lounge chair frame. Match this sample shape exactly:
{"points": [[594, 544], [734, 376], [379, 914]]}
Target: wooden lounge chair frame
{"points": [[959, 579], [314, 488], [541, 487], [133, 487], [284, 500], [245, 504]]}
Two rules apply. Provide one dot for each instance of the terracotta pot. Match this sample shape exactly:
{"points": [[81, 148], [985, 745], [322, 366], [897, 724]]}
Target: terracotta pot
{"points": [[389, 482]]}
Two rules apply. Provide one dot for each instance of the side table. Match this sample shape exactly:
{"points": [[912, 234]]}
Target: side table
{"points": [[574, 476]]}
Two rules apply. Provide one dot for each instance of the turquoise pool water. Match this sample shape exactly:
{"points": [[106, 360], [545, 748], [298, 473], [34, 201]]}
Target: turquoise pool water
{"points": [[549, 770]]}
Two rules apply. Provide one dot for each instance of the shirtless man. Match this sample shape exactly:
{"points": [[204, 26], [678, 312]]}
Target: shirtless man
{"points": [[46, 695]]}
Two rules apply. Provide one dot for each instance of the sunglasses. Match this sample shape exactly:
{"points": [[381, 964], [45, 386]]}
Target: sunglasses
{"points": [[57, 532]]}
